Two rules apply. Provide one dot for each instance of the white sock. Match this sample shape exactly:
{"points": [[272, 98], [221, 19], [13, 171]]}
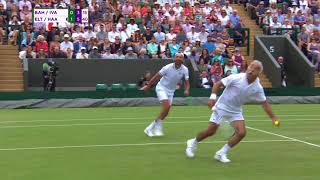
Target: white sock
{"points": [[151, 125], [225, 149], [195, 142], [158, 122]]}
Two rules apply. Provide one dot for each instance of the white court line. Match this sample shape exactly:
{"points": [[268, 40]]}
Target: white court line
{"points": [[130, 123], [286, 137], [133, 118], [122, 123], [137, 144]]}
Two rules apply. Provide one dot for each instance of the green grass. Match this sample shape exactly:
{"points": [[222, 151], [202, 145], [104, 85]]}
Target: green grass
{"points": [[119, 130]]}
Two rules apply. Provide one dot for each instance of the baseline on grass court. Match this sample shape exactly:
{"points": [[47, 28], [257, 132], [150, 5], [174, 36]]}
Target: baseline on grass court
{"points": [[134, 144]]}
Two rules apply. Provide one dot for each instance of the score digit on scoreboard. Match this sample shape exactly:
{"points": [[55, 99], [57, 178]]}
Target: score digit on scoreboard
{"points": [[60, 15]]}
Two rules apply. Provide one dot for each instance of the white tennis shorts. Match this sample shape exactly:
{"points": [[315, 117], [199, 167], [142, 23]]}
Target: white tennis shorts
{"points": [[164, 94], [218, 115]]}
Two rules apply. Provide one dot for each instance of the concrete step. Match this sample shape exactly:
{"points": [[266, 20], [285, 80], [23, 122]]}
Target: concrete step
{"points": [[11, 69], [10, 65], [12, 77], [9, 47], [12, 86], [9, 73], [20, 81], [11, 90]]}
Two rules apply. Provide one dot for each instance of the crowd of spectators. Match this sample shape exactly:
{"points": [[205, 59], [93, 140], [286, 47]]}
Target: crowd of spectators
{"points": [[289, 17], [207, 31]]}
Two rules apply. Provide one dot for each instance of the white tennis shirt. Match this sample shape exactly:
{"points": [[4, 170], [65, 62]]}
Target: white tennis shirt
{"points": [[172, 76], [238, 92]]}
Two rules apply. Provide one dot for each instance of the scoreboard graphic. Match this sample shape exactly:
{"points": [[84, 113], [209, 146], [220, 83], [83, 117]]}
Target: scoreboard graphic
{"points": [[60, 15]]}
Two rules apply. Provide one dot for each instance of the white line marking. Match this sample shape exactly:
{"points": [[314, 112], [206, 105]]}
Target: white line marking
{"points": [[132, 123], [137, 144], [286, 137], [132, 118], [95, 124]]}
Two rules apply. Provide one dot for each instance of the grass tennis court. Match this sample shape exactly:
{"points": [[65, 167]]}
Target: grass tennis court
{"points": [[109, 143]]}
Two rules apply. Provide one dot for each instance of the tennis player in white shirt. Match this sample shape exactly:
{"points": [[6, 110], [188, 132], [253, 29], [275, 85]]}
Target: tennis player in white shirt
{"points": [[170, 75], [239, 89]]}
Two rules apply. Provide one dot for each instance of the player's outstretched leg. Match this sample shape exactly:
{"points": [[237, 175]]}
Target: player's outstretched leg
{"points": [[192, 143], [155, 128], [239, 134]]}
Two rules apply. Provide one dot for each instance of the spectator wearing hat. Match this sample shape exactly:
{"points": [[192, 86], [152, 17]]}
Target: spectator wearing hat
{"points": [[229, 10], [82, 54], [25, 3], [130, 54], [94, 54], [143, 54], [260, 12], [66, 43]]}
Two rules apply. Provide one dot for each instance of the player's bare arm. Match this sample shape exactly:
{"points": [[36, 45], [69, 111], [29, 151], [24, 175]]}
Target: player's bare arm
{"points": [[267, 108], [154, 79], [214, 91], [187, 88]]}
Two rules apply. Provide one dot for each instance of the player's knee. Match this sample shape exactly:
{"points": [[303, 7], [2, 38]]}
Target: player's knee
{"points": [[241, 133]]}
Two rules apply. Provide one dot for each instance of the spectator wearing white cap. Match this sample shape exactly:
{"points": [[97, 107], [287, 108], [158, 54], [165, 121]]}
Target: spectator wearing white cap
{"points": [[227, 8], [4, 4], [177, 8], [66, 43], [82, 54], [25, 3], [130, 54], [94, 54]]}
